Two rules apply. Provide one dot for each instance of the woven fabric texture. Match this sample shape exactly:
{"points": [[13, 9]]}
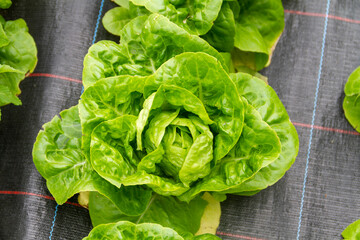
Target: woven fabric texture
{"points": [[317, 198]]}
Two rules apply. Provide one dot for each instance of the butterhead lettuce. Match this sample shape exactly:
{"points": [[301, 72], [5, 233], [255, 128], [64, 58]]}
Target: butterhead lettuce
{"points": [[162, 131]]}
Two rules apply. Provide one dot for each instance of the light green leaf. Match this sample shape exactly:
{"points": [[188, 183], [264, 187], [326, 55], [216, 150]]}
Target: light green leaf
{"points": [[222, 34], [21, 51], [167, 211], [204, 77], [146, 43], [108, 99], [123, 3], [127, 230], [115, 19], [111, 154], [351, 102], [5, 4], [58, 157], [10, 79], [195, 16], [257, 147], [352, 232], [264, 99], [258, 27]]}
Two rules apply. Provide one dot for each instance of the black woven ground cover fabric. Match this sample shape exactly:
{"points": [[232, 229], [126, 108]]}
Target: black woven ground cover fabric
{"points": [[314, 57]]}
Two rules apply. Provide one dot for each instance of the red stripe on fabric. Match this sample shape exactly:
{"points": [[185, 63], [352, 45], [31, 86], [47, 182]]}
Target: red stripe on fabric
{"points": [[54, 76], [322, 15], [238, 236], [36, 195], [326, 128]]}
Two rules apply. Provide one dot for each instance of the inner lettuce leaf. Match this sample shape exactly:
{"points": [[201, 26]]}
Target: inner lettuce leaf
{"points": [[264, 99], [352, 232], [257, 147], [146, 43], [58, 157], [169, 212], [351, 102], [203, 76], [176, 125]]}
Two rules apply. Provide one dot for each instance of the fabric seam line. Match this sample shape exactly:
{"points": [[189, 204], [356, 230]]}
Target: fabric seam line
{"points": [[93, 41], [313, 119]]}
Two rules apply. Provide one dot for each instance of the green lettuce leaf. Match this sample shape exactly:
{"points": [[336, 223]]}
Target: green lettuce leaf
{"points": [[166, 211], [257, 147], [5, 4], [258, 26], [351, 102], [108, 99], [58, 157], [222, 34], [204, 77], [115, 19], [264, 99], [146, 43], [127, 230], [352, 232], [10, 79], [21, 51], [17, 58], [195, 16]]}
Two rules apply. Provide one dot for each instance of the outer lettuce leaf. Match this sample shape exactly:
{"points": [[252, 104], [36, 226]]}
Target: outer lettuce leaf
{"points": [[352, 232], [257, 147], [167, 211], [195, 16], [21, 51], [252, 27], [127, 230], [115, 19], [264, 99], [10, 79], [5, 4], [351, 103], [222, 34], [58, 157], [146, 43], [258, 27], [17, 58]]}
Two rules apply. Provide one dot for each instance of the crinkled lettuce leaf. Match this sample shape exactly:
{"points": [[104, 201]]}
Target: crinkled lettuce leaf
{"points": [[185, 218], [58, 156], [258, 26], [351, 102], [127, 230], [257, 147], [264, 99], [195, 16], [146, 43], [352, 232], [17, 58]]}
